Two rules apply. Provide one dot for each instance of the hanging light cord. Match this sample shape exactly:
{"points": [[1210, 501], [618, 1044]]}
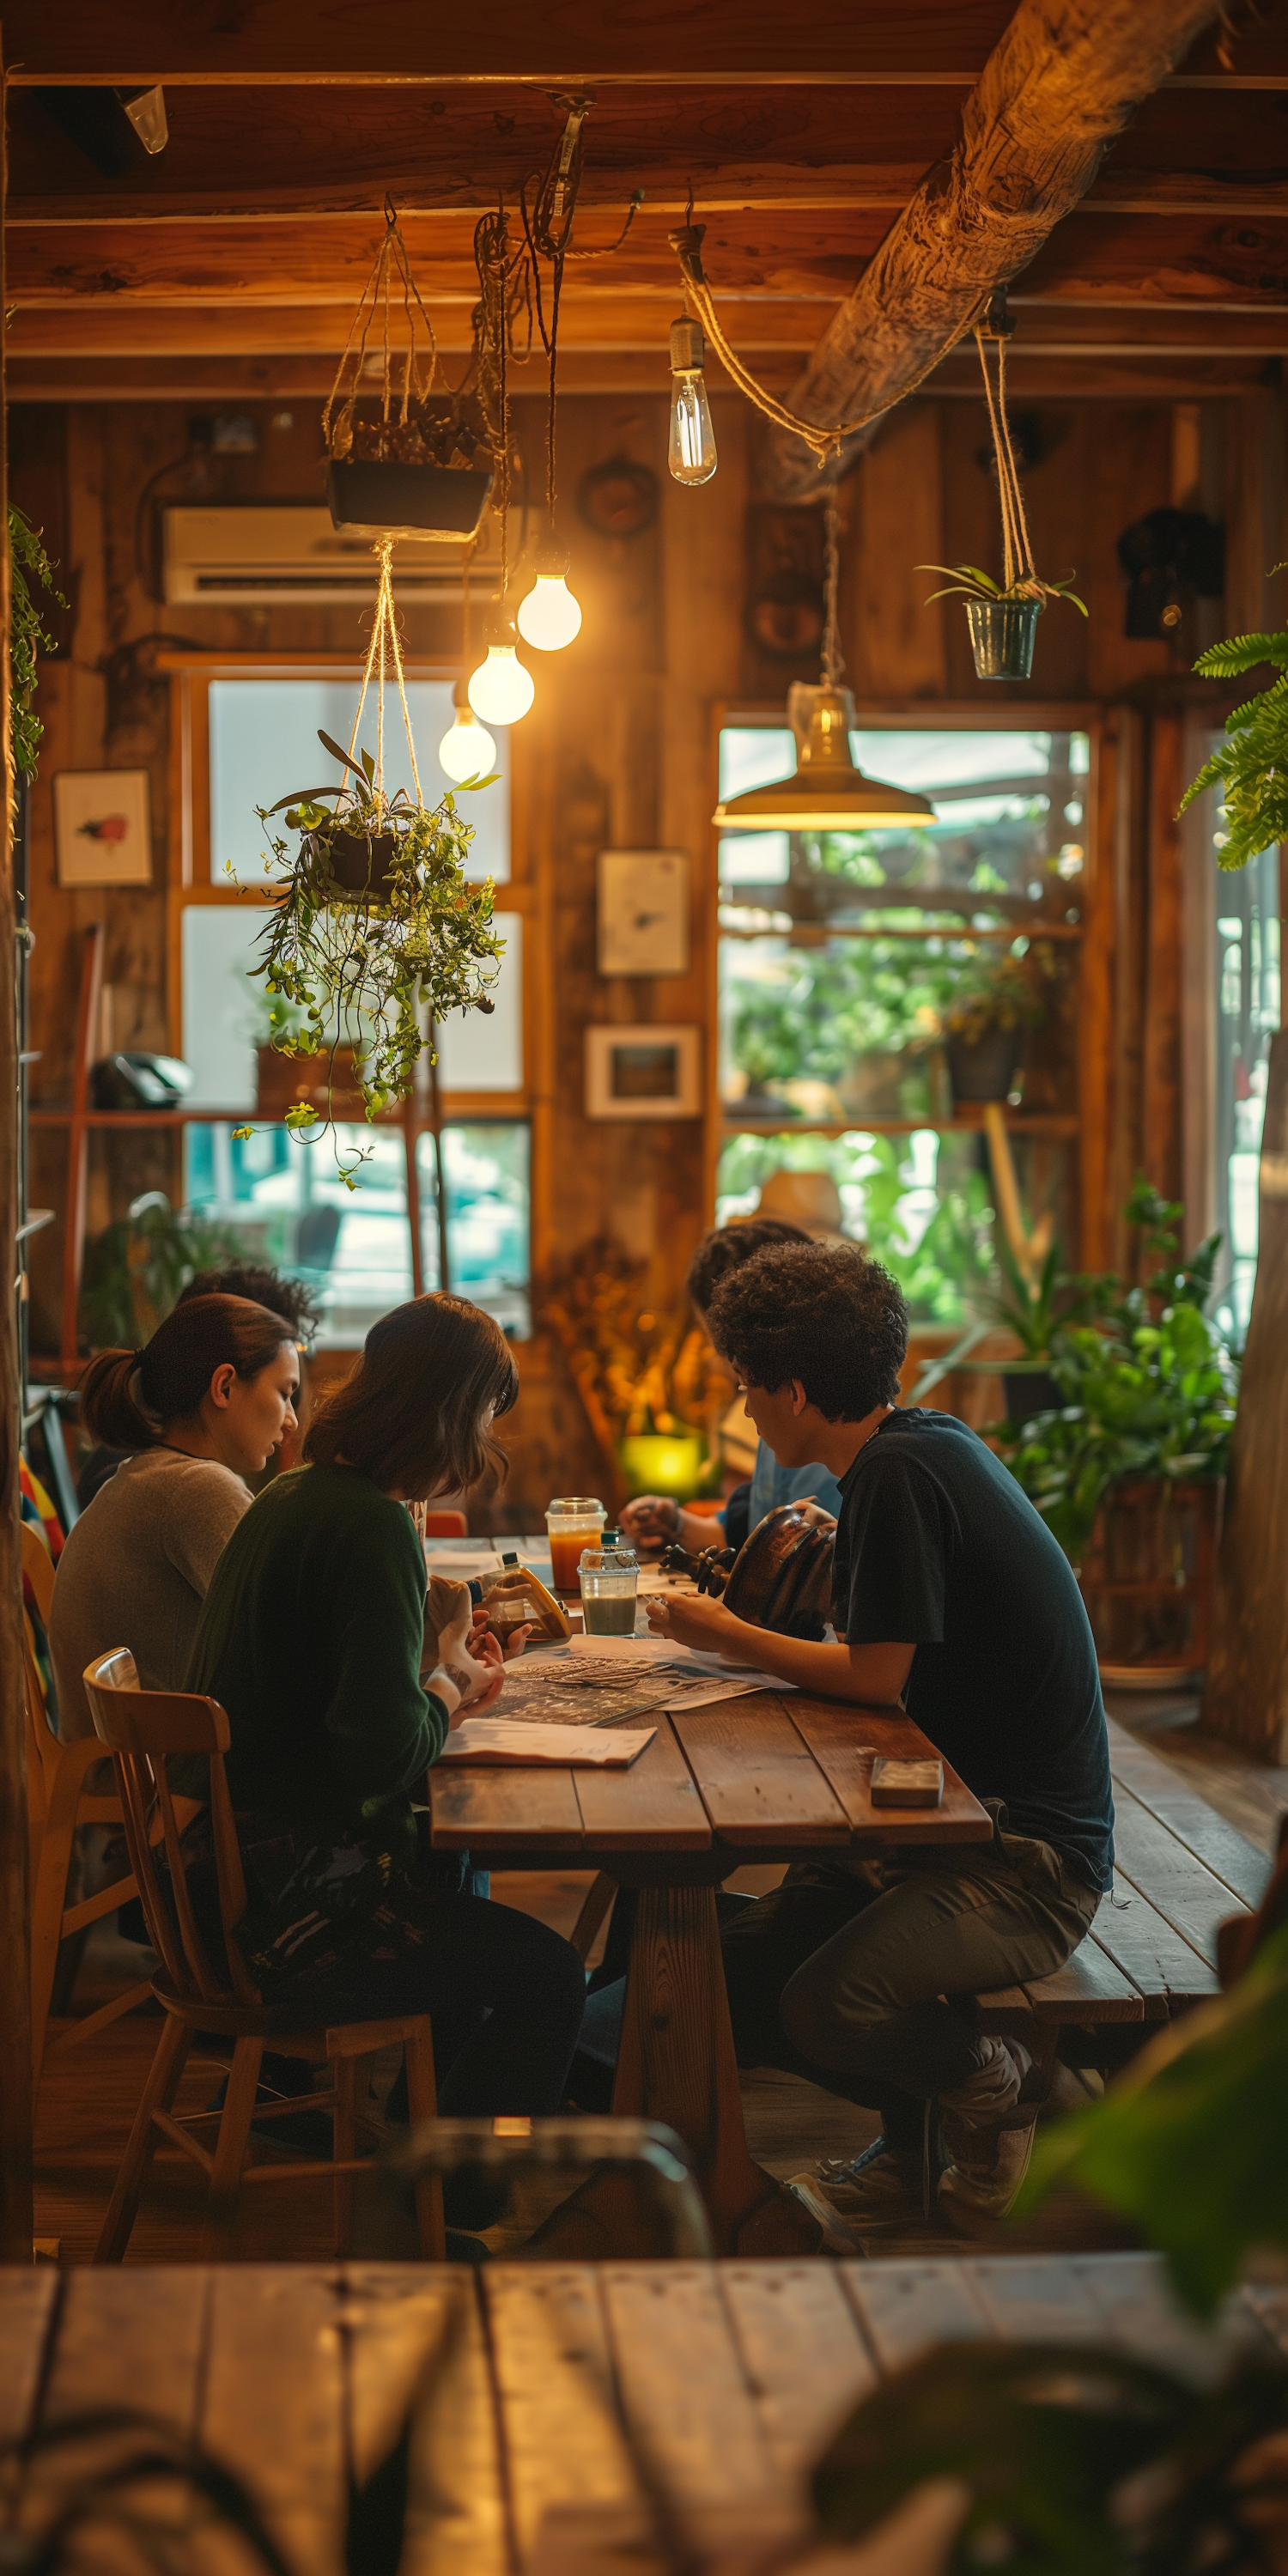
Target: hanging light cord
{"points": [[823, 443], [833, 657], [547, 229]]}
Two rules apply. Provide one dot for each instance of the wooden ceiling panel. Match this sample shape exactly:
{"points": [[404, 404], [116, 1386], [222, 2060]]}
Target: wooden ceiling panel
{"points": [[1161, 260], [402, 41], [110, 328], [791, 253]]}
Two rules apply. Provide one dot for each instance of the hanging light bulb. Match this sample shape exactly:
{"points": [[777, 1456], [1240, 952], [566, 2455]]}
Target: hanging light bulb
{"points": [[550, 617], [501, 691], [467, 749], [692, 451]]}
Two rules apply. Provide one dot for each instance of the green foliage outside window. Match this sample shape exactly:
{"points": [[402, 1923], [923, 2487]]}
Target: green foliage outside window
{"points": [[945, 1271]]}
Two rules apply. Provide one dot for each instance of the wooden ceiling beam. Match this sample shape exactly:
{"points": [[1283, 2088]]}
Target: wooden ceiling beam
{"points": [[1061, 84], [110, 329], [1155, 260]]}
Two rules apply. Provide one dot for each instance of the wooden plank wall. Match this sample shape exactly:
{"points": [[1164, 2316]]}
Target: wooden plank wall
{"points": [[619, 751]]}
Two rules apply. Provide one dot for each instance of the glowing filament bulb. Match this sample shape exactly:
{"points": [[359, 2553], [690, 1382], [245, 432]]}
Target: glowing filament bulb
{"points": [[467, 749], [550, 616], [501, 691], [691, 454]]}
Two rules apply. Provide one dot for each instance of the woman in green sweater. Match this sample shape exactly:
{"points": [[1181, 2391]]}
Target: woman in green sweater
{"points": [[312, 1638]]}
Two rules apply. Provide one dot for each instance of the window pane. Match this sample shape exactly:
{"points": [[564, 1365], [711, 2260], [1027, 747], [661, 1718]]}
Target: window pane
{"points": [[287, 1203], [225, 1011], [1247, 1001], [920, 1203], [486, 1171], [264, 744]]}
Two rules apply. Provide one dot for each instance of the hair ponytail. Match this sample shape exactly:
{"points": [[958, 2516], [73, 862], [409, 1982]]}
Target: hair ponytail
{"points": [[128, 1397]]}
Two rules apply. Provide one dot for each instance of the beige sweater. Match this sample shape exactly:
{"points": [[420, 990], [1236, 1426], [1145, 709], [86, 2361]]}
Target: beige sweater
{"points": [[136, 1569]]}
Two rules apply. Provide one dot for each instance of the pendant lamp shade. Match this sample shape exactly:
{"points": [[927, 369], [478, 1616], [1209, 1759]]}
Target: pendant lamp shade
{"points": [[827, 793]]}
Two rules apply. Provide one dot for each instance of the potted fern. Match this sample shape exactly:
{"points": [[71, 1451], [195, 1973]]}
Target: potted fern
{"points": [[1250, 768]]}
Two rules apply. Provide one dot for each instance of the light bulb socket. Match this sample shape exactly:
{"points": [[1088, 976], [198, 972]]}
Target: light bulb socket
{"points": [[461, 694], [498, 628], [552, 561], [688, 349]]}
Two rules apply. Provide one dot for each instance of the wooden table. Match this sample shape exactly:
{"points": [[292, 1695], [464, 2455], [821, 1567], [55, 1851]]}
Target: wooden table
{"points": [[762, 1778], [727, 2377]]}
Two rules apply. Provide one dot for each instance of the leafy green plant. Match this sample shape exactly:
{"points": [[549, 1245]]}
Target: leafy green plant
{"points": [[943, 1267], [1073, 2460], [1011, 991], [966, 581], [28, 562], [1148, 1385], [366, 968], [136, 1269], [1250, 768]]}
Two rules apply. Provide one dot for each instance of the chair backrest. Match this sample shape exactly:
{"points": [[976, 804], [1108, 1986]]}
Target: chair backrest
{"points": [[446, 1525], [141, 1728], [38, 1567]]}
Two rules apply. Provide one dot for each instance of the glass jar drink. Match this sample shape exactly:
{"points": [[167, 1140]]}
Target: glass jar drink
{"points": [[573, 1521], [610, 1575]]}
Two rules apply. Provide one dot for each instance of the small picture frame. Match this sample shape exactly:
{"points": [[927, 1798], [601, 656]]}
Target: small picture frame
{"points": [[103, 827], [643, 912], [644, 1071]]}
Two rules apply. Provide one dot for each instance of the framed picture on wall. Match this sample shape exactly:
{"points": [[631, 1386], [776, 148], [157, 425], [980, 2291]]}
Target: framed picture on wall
{"points": [[643, 912], [643, 1072], [102, 827]]}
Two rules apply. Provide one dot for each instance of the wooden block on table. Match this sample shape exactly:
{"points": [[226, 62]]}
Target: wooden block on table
{"points": [[918, 1783]]}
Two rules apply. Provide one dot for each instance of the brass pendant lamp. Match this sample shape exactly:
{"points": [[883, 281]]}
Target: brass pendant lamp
{"points": [[827, 793]]}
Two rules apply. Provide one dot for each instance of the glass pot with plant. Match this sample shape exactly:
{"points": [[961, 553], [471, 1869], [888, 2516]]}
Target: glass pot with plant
{"points": [[1003, 616], [997, 1000]]}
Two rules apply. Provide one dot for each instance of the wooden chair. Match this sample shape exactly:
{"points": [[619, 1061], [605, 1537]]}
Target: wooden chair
{"points": [[142, 1728], [446, 1525], [57, 1804]]}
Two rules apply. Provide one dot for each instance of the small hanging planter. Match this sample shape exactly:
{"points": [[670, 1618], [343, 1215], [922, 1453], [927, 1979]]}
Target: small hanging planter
{"points": [[1003, 633], [376, 932], [1003, 616], [423, 466]]}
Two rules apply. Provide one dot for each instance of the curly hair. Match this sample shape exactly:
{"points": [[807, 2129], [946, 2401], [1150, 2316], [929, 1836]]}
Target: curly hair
{"points": [[726, 1247], [821, 1312], [288, 1298]]}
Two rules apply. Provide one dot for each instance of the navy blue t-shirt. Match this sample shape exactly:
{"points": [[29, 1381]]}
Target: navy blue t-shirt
{"points": [[937, 1547]]}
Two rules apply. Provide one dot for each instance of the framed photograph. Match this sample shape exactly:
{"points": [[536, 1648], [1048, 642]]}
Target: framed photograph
{"points": [[643, 1072], [643, 912], [102, 827]]}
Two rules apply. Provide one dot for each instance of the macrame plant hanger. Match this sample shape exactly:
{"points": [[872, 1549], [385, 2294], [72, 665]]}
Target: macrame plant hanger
{"points": [[1019, 575], [375, 305]]}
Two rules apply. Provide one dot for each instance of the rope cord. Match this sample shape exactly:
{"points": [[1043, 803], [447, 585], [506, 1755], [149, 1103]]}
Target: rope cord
{"points": [[833, 657], [823, 443], [375, 300], [384, 641]]}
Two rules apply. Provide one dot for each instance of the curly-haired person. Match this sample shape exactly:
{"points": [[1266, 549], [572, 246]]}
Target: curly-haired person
{"points": [[951, 1595]]}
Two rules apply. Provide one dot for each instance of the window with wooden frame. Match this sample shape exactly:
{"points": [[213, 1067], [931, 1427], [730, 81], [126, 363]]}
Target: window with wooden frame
{"points": [[244, 734], [843, 958]]}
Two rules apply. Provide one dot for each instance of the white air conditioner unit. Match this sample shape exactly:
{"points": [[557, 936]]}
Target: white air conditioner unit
{"points": [[281, 554]]}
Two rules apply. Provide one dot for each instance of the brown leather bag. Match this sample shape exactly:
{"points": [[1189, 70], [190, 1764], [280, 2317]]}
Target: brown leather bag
{"points": [[781, 1577]]}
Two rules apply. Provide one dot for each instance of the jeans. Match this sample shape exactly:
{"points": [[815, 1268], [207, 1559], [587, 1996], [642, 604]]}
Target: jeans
{"points": [[504, 1993], [848, 1977]]}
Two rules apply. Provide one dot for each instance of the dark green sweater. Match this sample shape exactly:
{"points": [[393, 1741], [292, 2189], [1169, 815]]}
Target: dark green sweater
{"points": [[311, 1636]]}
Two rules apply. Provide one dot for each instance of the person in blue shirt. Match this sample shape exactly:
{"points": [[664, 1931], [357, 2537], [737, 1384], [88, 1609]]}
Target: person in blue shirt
{"points": [[654, 1521]]}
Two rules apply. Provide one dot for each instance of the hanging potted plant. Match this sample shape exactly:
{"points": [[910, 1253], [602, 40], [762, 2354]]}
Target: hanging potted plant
{"points": [[423, 465], [1003, 616], [998, 1000], [376, 932]]}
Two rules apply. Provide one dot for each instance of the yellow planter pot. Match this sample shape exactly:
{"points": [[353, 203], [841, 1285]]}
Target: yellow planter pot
{"points": [[656, 1462]]}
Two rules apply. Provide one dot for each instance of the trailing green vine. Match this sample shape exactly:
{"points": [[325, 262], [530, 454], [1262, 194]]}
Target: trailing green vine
{"points": [[28, 636], [365, 964]]}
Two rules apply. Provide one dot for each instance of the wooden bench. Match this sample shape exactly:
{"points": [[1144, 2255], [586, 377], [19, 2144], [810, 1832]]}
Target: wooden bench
{"points": [[1181, 1872]]}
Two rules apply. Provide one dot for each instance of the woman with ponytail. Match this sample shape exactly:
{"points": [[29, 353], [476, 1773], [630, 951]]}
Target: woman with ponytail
{"points": [[201, 1407], [313, 1639]]}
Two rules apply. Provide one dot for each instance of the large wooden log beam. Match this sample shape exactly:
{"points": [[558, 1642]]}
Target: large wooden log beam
{"points": [[1064, 80]]}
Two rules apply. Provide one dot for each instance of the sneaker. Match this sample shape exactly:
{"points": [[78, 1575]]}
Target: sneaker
{"points": [[880, 2188], [986, 2130]]}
